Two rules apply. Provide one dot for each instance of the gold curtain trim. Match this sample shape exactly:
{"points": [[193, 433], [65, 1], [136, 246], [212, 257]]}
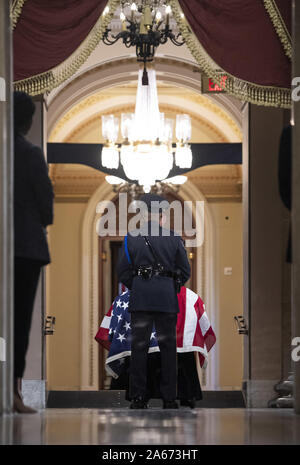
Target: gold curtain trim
{"points": [[15, 11], [280, 26], [48, 80], [243, 90]]}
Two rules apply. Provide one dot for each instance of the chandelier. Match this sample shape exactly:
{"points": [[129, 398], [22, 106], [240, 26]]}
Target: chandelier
{"points": [[170, 185], [145, 26], [146, 153]]}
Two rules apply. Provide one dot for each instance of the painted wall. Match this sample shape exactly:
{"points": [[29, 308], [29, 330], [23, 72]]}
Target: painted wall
{"points": [[63, 297], [229, 288], [268, 302]]}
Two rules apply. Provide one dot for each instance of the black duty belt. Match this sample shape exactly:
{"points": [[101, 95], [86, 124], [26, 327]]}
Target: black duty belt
{"points": [[147, 272]]}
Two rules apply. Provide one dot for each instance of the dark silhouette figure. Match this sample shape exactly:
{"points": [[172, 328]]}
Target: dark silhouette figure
{"points": [[33, 211], [153, 299], [285, 178]]}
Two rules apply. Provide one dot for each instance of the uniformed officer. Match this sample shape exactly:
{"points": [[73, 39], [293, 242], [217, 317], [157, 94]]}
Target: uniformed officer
{"points": [[148, 265]]}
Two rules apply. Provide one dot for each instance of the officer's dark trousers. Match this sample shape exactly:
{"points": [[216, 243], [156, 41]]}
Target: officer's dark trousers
{"points": [[26, 276], [141, 329]]}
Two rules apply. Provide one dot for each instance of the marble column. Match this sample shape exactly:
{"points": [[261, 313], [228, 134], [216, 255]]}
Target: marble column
{"points": [[263, 257], [6, 214], [296, 204]]}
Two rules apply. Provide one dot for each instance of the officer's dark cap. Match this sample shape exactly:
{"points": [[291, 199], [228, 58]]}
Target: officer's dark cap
{"points": [[152, 205]]}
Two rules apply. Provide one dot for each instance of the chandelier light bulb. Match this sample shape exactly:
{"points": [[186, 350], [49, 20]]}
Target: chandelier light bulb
{"points": [[127, 160], [127, 120], [146, 153], [158, 16], [168, 10], [106, 10], [110, 128], [168, 130], [183, 156], [183, 128], [176, 180], [133, 7], [110, 157], [114, 180], [122, 16]]}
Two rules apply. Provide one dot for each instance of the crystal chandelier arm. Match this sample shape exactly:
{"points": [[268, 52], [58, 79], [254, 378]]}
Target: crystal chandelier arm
{"points": [[127, 43], [167, 33], [132, 26], [110, 39], [129, 36], [174, 40]]}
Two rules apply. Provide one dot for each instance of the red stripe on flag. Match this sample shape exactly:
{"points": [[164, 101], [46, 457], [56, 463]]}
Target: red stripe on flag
{"points": [[102, 338], [199, 305], [198, 338], [102, 334], [210, 338], [110, 310], [201, 359], [181, 316]]}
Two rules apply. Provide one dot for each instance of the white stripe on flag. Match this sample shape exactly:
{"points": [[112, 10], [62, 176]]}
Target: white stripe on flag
{"points": [[190, 318], [204, 323], [106, 322]]}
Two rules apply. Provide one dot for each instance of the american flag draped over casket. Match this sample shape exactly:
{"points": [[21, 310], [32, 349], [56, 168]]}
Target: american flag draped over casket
{"points": [[194, 332]]}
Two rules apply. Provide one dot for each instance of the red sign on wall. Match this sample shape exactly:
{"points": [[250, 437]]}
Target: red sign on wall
{"points": [[209, 87], [212, 87]]}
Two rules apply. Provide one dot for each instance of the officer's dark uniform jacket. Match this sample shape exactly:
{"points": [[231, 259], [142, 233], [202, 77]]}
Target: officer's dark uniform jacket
{"points": [[157, 293], [33, 202]]}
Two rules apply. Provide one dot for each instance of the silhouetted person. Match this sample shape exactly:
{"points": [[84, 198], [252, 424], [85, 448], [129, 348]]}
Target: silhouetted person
{"points": [[33, 211], [285, 178], [147, 265]]}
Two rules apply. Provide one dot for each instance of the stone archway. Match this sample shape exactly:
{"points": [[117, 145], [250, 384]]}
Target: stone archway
{"points": [[79, 96]]}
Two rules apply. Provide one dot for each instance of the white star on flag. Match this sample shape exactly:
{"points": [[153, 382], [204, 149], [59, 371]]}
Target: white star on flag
{"points": [[121, 337], [127, 326], [152, 336], [125, 305], [119, 318], [119, 303]]}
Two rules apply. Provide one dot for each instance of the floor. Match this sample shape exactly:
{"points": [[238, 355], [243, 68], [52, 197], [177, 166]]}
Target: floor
{"points": [[152, 427]]}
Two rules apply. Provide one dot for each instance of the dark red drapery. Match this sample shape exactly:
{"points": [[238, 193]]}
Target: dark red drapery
{"points": [[49, 31], [240, 37]]}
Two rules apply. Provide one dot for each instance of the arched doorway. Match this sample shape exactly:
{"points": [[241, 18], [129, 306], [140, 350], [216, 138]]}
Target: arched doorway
{"points": [[92, 92], [97, 284], [109, 287]]}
